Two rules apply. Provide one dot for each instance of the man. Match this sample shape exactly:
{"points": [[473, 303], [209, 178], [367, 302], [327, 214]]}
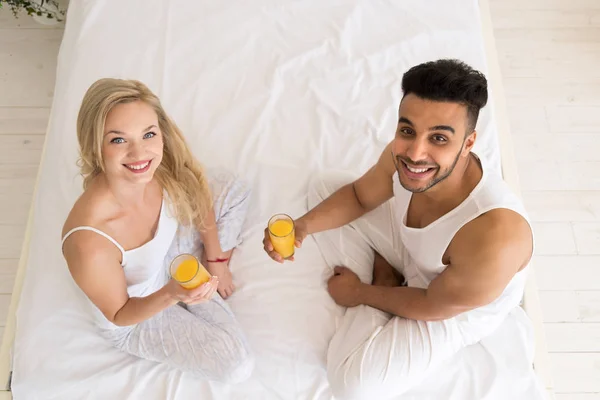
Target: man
{"points": [[446, 222]]}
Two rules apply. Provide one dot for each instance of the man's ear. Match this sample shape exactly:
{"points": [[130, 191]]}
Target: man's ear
{"points": [[469, 142]]}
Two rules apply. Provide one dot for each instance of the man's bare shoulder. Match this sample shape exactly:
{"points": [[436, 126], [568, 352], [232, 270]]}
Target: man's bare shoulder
{"points": [[375, 187], [386, 161], [483, 257], [499, 234]]}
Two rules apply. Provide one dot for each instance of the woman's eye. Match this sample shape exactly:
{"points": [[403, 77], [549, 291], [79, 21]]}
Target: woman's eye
{"points": [[118, 140], [149, 135]]}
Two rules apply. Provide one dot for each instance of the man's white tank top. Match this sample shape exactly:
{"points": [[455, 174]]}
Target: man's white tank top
{"points": [[425, 247]]}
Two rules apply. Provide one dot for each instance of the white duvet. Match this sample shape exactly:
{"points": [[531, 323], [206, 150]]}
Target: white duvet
{"points": [[277, 91]]}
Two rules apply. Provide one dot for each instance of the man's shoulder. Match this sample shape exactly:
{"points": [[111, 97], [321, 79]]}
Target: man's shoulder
{"points": [[497, 222], [496, 192], [385, 163], [497, 233], [499, 209]]}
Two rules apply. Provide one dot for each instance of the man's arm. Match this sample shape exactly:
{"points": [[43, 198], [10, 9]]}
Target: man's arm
{"points": [[484, 257], [354, 199]]}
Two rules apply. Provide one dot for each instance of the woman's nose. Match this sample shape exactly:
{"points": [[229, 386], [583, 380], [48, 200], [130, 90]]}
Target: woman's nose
{"points": [[136, 150]]}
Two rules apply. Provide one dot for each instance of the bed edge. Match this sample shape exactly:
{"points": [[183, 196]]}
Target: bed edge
{"points": [[11, 320], [531, 301]]}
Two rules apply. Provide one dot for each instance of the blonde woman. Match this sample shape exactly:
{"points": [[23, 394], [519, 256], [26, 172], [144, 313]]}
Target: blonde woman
{"points": [[146, 200]]}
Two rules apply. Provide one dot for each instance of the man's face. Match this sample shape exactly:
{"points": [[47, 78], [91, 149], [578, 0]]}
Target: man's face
{"points": [[431, 140]]}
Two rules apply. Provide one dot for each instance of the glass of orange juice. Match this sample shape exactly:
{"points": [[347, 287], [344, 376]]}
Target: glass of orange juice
{"points": [[282, 234], [188, 271]]}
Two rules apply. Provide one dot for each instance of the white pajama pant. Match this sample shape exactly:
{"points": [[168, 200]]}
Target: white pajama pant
{"points": [[205, 339], [374, 355]]}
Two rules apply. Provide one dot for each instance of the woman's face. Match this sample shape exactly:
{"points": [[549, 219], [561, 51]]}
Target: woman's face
{"points": [[132, 145]]}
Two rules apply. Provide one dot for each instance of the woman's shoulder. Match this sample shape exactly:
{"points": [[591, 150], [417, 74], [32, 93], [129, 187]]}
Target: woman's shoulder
{"points": [[93, 209], [84, 234]]}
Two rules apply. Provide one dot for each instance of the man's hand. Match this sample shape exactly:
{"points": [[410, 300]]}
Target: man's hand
{"points": [[346, 204], [345, 287], [300, 233]]}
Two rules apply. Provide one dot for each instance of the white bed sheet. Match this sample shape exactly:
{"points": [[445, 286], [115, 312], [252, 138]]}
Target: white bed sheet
{"points": [[276, 91]]}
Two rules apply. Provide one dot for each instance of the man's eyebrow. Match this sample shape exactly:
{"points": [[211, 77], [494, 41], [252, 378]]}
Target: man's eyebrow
{"points": [[442, 128], [406, 121]]}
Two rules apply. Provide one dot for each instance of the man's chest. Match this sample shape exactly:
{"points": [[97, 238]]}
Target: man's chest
{"points": [[420, 214]]}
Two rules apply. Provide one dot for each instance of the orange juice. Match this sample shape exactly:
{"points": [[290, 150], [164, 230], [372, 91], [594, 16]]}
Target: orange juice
{"points": [[188, 272], [281, 232]]}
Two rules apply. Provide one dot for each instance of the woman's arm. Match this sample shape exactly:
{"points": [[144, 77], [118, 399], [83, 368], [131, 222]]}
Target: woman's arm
{"points": [[217, 261], [210, 238], [138, 309], [94, 265]]}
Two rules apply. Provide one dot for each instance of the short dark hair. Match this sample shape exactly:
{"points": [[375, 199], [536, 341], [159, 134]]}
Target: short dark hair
{"points": [[448, 80]]}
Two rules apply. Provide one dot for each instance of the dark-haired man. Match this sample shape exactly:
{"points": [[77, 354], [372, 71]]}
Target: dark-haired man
{"points": [[446, 222]]}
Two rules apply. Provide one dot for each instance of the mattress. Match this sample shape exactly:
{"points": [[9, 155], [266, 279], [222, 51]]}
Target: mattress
{"points": [[275, 91]]}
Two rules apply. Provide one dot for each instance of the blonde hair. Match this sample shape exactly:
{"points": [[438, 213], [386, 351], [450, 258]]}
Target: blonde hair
{"points": [[179, 173]]}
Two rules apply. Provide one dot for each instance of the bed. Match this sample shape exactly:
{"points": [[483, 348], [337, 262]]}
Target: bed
{"points": [[276, 91]]}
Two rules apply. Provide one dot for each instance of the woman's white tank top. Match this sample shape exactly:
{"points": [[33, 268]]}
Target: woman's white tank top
{"points": [[145, 267]]}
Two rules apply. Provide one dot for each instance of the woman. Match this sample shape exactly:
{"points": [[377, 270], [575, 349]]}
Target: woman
{"points": [[145, 201]]}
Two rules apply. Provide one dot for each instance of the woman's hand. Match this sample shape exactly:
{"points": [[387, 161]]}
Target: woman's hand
{"points": [[198, 295], [223, 273]]}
